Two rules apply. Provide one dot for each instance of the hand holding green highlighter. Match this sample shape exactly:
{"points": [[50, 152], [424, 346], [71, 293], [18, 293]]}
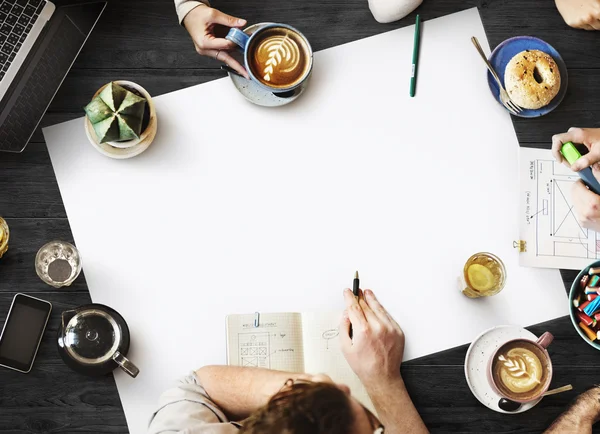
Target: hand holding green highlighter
{"points": [[571, 154]]}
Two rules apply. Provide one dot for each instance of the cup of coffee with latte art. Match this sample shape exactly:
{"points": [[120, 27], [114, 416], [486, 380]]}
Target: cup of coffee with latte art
{"points": [[521, 369], [277, 57]]}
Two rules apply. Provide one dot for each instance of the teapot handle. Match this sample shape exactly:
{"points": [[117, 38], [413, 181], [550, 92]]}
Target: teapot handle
{"points": [[125, 364], [65, 317]]}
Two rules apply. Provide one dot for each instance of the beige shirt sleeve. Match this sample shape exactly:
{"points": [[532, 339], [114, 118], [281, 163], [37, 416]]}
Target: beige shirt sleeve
{"points": [[188, 409], [185, 6]]}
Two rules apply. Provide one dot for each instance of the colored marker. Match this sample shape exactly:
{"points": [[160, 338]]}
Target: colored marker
{"points": [[415, 58], [571, 154]]}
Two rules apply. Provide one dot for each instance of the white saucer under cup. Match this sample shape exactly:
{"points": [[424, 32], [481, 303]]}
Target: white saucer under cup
{"points": [[476, 364]]}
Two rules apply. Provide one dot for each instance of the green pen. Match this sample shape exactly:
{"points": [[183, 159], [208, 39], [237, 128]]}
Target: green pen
{"points": [[415, 58]]}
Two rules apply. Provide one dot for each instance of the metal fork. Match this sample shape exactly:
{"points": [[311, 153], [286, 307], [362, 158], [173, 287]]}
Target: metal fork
{"points": [[506, 101]]}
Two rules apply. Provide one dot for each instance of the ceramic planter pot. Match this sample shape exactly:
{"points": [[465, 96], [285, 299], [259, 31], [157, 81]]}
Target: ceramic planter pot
{"points": [[129, 148]]}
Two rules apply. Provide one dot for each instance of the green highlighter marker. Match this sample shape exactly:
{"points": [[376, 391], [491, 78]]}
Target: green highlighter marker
{"points": [[571, 154]]}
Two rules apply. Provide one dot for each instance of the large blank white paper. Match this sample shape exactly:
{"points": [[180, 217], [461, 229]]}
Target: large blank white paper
{"points": [[236, 208]]}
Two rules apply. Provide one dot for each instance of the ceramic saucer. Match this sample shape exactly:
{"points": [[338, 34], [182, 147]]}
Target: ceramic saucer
{"points": [[507, 50], [476, 363], [256, 94], [117, 153]]}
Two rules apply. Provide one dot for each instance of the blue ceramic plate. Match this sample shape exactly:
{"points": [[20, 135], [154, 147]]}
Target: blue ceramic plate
{"points": [[507, 50], [574, 291]]}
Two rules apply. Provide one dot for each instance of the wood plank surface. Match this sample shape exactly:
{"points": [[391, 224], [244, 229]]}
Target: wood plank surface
{"points": [[140, 40], [18, 263], [447, 405], [52, 398]]}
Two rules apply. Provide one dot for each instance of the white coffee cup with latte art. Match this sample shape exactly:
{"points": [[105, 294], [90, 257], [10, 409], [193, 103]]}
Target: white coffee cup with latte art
{"points": [[277, 57], [521, 369]]}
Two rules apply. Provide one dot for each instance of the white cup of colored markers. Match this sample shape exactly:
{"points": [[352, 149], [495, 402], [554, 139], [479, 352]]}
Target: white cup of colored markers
{"points": [[586, 304]]}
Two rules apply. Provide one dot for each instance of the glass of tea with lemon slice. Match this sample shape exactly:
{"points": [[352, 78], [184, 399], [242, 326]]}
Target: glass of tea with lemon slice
{"points": [[483, 275], [4, 235]]}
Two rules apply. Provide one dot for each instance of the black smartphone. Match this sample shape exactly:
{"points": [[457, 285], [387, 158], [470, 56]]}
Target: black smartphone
{"points": [[23, 331]]}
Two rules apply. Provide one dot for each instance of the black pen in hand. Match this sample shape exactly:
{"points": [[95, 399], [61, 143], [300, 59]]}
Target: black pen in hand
{"points": [[355, 285]]}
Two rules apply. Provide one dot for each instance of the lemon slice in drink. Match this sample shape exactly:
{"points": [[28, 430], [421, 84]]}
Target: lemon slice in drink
{"points": [[480, 277]]}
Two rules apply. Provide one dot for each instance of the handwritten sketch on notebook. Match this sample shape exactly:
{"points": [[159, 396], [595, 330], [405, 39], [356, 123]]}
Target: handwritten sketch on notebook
{"points": [[548, 223], [330, 334], [295, 342], [254, 350]]}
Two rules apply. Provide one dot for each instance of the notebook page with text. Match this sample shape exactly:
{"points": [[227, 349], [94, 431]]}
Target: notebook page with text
{"points": [[275, 344], [323, 354]]}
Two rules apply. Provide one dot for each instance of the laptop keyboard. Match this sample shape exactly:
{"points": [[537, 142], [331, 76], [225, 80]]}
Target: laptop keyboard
{"points": [[16, 20]]}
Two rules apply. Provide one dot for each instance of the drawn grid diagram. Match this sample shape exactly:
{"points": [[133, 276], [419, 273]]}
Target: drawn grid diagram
{"points": [[254, 350], [558, 232]]}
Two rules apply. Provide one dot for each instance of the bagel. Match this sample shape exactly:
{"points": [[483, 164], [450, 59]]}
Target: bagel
{"points": [[532, 79]]}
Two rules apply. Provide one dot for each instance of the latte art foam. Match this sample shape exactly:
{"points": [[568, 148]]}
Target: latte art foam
{"points": [[283, 56], [279, 57], [520, 370]]}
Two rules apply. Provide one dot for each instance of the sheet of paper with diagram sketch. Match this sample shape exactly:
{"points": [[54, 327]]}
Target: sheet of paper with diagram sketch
{"points": [[548, 223], [295, 342]]}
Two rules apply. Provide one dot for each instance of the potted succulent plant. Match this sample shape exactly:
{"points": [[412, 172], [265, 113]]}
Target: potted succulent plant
{"points": [[120, 120]]}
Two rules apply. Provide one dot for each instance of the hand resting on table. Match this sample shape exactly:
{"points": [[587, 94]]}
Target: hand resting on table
{"points": [[580, 14]]}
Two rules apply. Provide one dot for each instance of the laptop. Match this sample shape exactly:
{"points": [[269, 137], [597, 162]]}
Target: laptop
{"points": [[38, 44]]}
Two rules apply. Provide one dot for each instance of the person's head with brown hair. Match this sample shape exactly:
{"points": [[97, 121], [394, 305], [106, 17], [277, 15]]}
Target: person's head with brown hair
{"points": [[312, 407]]}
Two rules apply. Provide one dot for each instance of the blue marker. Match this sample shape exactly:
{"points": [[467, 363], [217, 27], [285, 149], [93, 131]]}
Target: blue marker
{"points": [[571, 154]]}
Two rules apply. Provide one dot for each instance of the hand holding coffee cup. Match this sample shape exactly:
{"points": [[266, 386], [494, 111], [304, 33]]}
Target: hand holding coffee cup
{"points": [[277, 57], [200, 23], [521, 369]]}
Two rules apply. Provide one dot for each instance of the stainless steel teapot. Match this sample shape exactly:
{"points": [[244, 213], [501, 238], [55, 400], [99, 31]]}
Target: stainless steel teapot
{"points": [[94, 340]]}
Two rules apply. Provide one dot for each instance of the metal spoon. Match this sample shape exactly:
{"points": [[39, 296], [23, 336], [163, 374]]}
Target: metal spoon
{"points": [[509, 405]]}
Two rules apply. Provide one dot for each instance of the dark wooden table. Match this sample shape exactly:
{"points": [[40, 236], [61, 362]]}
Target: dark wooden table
{"points": [[140, 40]]}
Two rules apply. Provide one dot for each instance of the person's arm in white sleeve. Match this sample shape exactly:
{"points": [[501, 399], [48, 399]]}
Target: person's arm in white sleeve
{"points": [[184, 7], [189, 408], [200, 20]]}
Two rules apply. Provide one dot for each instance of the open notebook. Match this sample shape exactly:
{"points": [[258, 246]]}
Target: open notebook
{"points": [[296, 342]]}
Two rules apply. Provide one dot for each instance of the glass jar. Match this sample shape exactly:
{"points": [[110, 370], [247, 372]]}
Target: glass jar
{"points": [[4, 236], [58, 263], [483, 275]]}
